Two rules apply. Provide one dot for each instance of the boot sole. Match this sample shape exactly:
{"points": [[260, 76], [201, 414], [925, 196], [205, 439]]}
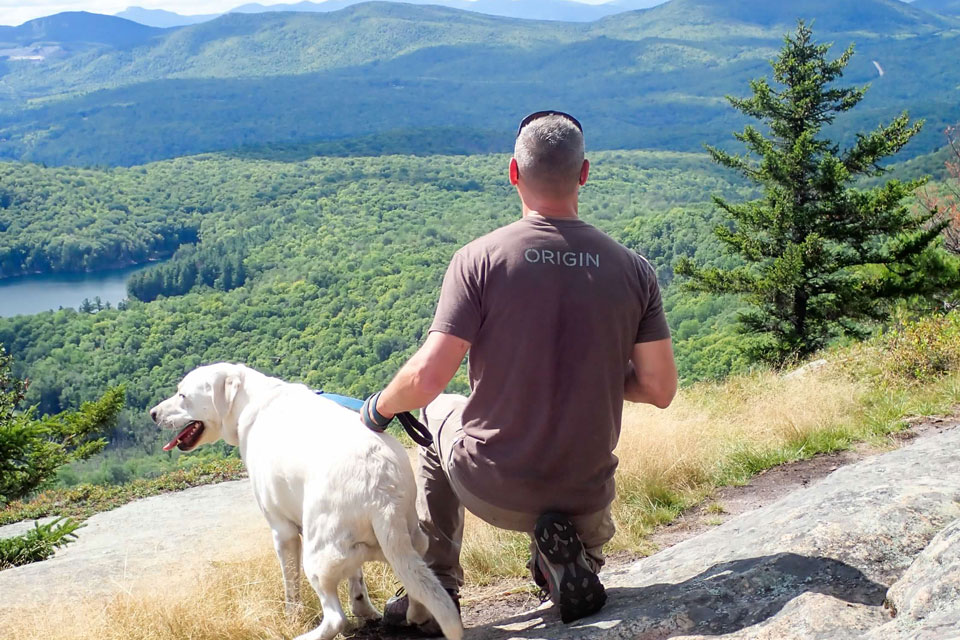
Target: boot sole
{"points": [[581, 592]]}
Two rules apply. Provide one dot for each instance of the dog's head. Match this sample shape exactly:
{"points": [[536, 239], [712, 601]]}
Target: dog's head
{"points": [[202, 410]]}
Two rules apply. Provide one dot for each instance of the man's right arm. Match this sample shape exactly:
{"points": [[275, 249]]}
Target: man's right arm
{"points": [[652, 378]]}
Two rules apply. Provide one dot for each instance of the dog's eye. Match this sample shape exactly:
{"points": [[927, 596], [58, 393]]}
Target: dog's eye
{"points": [[182, 396]]}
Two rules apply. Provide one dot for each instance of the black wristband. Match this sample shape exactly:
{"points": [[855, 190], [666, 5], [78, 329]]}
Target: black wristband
{"points": [[372, 418]]}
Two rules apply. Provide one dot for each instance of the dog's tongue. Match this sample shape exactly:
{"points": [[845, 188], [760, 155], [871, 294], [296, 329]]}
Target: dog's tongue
{"points": [[173, 443]]}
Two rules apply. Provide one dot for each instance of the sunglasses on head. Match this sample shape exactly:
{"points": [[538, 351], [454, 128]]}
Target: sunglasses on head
{"points": [[542, 114]]}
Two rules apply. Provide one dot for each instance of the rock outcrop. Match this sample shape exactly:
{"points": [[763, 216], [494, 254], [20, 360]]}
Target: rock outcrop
{"points": [[926, 600], [119, 549], [818, 564]]}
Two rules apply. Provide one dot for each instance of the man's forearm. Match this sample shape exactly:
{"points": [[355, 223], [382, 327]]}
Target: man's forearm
{"points": [[424, 376], [645, 389], [410, 389]]}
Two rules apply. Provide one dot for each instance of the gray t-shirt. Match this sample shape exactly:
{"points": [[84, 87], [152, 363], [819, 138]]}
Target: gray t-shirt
{"points": [[552, 309]]}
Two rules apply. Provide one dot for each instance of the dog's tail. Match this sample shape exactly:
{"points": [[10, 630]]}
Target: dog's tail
{"points": [[393, 532]]}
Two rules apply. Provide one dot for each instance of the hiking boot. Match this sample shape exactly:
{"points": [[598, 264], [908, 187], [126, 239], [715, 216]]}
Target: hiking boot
{"points": [[561, 564], [395, 615], [538, 579]]}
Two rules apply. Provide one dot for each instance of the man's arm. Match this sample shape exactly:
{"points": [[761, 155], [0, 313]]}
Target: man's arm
{"points": [[652, 378], [425, 375]]}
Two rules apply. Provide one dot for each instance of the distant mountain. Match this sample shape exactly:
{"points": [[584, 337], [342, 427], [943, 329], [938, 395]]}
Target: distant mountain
{"points": [[563, 10], [652, 78], [943, 7], [560, 10], [162, 19], [78, 27], [283, 43]]}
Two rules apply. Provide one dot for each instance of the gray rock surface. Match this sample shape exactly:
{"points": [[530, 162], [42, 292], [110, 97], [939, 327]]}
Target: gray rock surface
{"points": [[815, 565], [927, 598], [119, 548]]}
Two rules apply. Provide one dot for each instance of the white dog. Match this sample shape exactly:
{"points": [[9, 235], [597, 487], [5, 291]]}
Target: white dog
{"points": [[320, 476]]}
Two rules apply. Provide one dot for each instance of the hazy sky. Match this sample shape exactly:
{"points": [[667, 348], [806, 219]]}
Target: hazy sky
{"points": [[19, 11]]}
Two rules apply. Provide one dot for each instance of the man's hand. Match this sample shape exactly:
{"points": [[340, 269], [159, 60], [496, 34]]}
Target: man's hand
{"points": [[652, 378]]}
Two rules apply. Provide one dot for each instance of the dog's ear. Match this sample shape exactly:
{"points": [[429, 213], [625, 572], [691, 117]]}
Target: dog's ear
{"points": [[226, 393]]}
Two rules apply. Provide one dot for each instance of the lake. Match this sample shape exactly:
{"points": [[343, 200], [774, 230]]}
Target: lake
{"points": [[36, 293]]}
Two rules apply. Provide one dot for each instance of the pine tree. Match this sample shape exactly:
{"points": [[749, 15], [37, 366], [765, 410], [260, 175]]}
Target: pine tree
{"points": [[32, 448], [822, 256]]}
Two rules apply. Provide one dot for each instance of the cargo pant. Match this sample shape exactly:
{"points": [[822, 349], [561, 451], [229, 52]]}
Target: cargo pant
{"points": [[441, 498]]}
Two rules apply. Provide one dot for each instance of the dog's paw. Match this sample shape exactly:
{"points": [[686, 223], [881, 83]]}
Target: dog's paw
{"points": [[294, 611], [417, 614], [364, 610]]}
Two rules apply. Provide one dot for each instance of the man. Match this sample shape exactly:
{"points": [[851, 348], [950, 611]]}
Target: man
{"points": [[562, 324]]}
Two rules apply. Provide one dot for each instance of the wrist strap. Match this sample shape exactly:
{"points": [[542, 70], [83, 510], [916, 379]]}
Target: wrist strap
{"points": [[371, 417]]}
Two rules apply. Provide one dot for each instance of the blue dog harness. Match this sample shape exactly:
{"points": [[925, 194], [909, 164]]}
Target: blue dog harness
{"points": [[414, 428]]}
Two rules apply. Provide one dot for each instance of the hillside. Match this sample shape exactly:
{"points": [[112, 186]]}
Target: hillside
{"points": [[342, 258], [161, 18], [76, 28], [274, 44], [711, 19], [648, 79], [560, 10]]}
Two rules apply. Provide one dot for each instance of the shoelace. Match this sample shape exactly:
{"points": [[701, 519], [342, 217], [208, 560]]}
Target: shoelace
{"points": [[542, 594]]}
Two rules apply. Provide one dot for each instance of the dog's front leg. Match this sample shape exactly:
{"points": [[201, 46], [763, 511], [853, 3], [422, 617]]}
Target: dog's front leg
{"points": [[286, 541]]}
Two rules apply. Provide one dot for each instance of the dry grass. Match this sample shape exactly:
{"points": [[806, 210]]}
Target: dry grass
{"points": [[713, 434]]}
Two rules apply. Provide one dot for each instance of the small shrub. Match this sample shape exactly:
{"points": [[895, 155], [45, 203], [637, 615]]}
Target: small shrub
{"points": [[925, 349], [86, 499], [37, 544]]}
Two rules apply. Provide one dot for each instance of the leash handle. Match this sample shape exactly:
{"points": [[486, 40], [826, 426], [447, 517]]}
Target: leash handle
{"points": [[415, 429]]}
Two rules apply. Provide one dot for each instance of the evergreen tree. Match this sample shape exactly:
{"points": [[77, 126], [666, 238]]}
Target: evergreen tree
{"points": [[821, 255], [32, 449]]}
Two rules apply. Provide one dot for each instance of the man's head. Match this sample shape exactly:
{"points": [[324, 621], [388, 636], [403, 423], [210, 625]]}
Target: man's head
{"points": [[548, 156]]}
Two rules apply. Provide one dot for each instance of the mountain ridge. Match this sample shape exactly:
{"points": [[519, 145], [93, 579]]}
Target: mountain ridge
{"points": [[651, 78], [713, 18], [75, 27], [558, 10], [162, 18]]}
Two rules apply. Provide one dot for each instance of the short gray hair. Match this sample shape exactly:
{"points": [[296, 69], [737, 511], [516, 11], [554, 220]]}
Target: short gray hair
{"points": [[549, 153]]}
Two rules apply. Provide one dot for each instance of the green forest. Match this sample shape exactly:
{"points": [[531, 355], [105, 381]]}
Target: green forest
{"points": [[341, 261]]}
